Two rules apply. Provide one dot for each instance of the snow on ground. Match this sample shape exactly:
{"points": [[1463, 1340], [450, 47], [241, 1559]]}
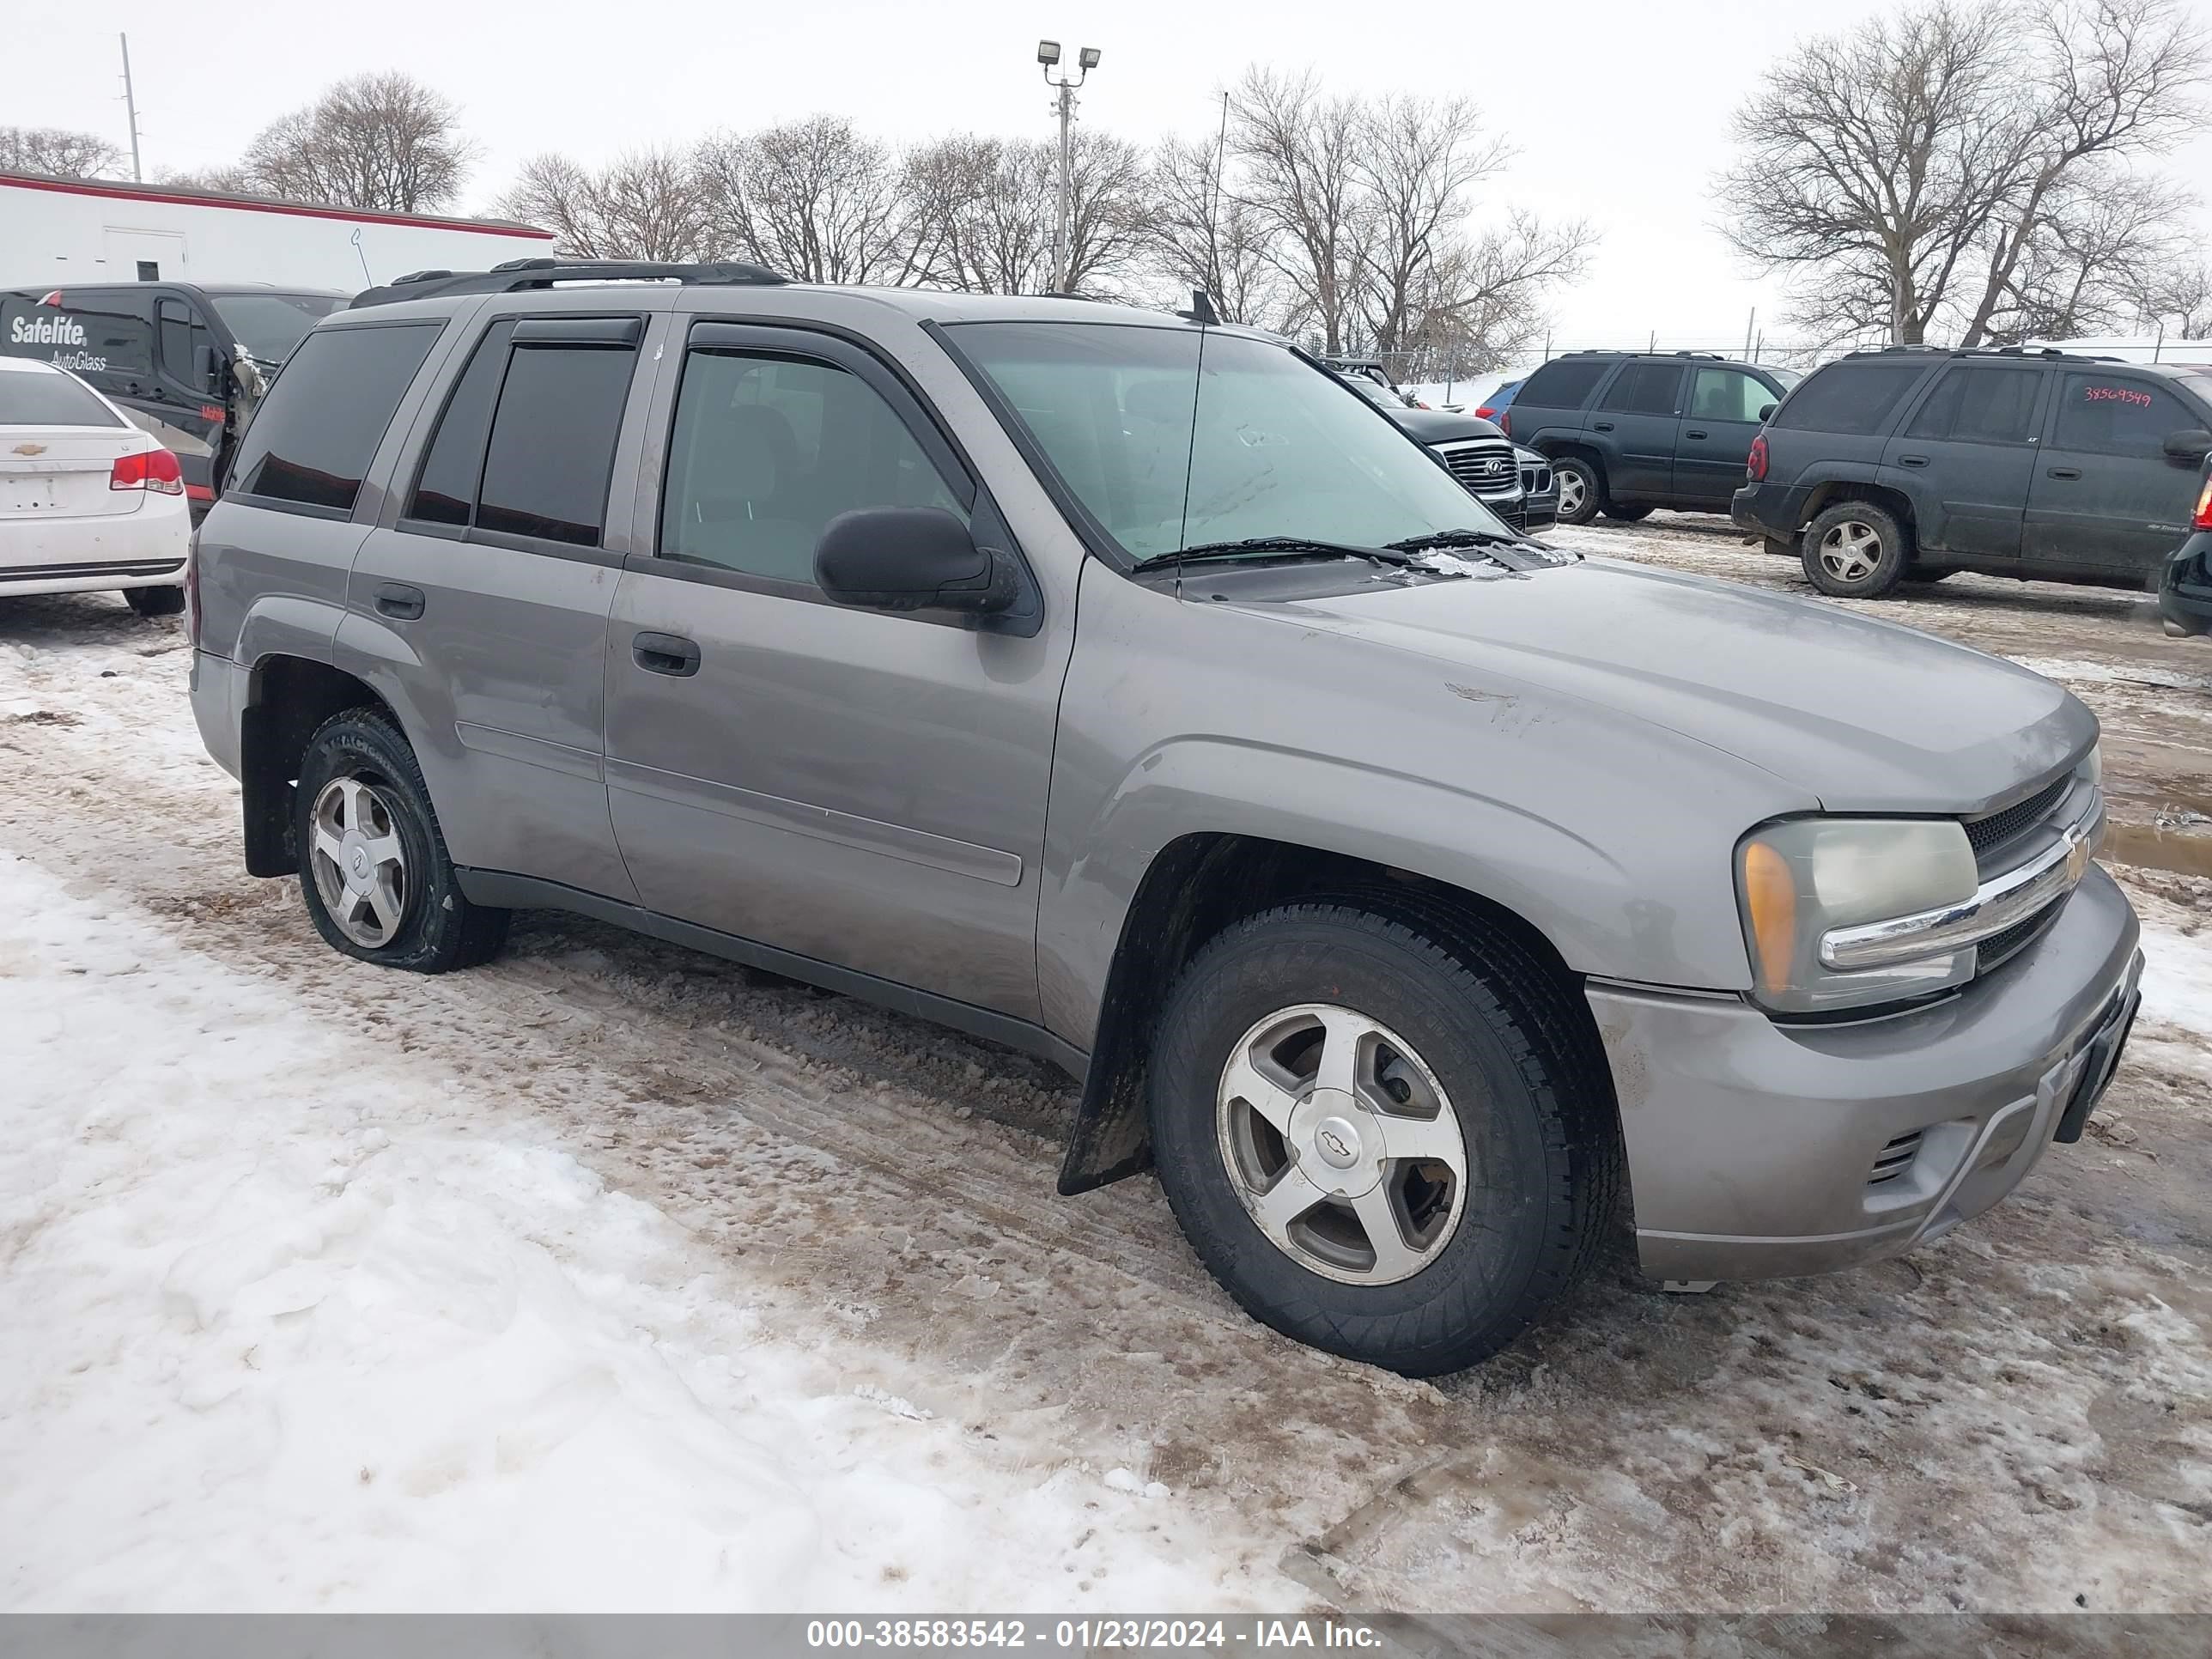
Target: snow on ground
{"points": [[292, 1322], [611, 1238]]}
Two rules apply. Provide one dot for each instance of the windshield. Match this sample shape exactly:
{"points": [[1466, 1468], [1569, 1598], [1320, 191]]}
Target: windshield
{"points": [[1381, 396], [1260, 444], [269, 325]]}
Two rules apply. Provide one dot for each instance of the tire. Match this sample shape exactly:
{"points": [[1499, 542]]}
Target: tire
{"points": [[1472, 1035], [1627, 514], [168, 601], [1582, 492], [1855, 551], [361, 794]]}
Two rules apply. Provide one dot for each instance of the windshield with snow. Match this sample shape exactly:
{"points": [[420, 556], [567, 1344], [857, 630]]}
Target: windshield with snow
{"points": [[1170, 452]]}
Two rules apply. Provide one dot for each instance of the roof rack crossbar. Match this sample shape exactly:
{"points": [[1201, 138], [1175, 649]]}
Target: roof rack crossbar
{"points": [[517, 275]]}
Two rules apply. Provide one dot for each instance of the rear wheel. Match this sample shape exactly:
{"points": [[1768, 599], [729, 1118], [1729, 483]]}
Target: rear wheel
{"points": [[154, 601], [1372, 1141], [1855, 551], [374, 869], [1581, 494]]}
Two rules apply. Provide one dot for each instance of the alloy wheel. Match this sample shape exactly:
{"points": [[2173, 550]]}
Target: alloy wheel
{"points": [[359, 864], [1341, 1144], [1851, 550], [1571, 491]]}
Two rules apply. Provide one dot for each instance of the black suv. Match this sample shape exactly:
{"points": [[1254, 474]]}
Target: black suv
{"points": [[1916, 461], [1627, 431]]}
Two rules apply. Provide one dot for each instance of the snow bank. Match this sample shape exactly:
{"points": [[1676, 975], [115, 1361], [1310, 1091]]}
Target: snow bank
{"points": [[287, 1323]]}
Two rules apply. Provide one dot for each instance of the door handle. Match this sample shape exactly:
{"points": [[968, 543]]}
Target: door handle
{"points": [[666, 654], [1913, 460], [1695, 433], [397, 599], [2064, 471], [1601, 426]]}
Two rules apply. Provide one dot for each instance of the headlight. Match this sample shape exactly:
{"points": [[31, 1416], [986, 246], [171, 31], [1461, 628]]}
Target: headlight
{"points": [[1796, 881]]}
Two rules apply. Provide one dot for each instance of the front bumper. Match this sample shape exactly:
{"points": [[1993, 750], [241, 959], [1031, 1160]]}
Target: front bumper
{"points": [[2184, 587], [1761, 1150]]}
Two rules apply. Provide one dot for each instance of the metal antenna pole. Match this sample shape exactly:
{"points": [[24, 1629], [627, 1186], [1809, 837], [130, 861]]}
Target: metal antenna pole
{"points": [[131, 106]]}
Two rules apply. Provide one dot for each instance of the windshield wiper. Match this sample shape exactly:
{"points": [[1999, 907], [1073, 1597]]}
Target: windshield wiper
{"points": [[1455, 539], [1297, 545]]}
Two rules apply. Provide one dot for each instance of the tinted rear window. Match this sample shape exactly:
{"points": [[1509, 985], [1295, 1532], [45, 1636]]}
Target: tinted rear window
{"points": [[315, 436], [1645, 389], [1561, 384], [50, 400], [1850, 398], [552, 448]]}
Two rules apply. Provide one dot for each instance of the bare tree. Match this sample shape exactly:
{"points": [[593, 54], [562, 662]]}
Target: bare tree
{"points": [[983, 209], [813, 199], [2094, 251], [382, 141], [1870, 164], [1300, 153], [57, 151], [1480, 304], [1913, 173], [1415, 165], [1199, 234], [647, 205], [2181, 297], [234, 180], [2114, 79]]}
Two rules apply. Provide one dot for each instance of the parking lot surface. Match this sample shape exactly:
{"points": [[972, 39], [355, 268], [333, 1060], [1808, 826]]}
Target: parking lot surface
{"points": [[2017, 1417]]}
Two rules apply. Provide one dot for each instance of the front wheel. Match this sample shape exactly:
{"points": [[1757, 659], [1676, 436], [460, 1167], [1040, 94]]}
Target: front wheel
{"points": [[374, 869], [1377, 1145], [1581, 495], [164, 601], [1626, 512], [1855, 551]]}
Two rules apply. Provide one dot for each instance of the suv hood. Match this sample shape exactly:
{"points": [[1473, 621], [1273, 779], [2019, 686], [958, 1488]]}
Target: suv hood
{"points": [[1861, 715], [1441, 426]]}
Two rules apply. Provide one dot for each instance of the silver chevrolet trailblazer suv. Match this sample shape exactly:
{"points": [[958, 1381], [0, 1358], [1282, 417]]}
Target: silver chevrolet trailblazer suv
{"points": [[1125, 689]]}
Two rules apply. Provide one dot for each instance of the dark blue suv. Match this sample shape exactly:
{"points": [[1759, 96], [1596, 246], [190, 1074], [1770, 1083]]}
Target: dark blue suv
{"points": [[1913, 462]]}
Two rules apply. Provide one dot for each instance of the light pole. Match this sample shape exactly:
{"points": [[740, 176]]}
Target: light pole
{"points": [[1085, 61]]}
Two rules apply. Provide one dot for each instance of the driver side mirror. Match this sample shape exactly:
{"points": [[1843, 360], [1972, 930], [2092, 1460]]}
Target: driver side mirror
{"points": [[912, 558], [1766, 412], [2191, 444]]}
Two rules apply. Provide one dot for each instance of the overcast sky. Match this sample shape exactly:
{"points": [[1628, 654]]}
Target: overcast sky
{"points": [[1619, 109]]}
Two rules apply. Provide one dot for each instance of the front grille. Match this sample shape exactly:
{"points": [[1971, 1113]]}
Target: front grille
{"points": [[1485, 466], [1994, 830], [1535, 480], [1895, 1158], [2000, 947]]}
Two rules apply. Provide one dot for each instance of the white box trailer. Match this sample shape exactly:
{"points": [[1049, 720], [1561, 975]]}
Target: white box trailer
{"points": [[59, 232]]}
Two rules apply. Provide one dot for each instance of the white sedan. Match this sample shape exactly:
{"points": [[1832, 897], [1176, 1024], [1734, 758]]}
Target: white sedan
{"points": [[88, 501]]}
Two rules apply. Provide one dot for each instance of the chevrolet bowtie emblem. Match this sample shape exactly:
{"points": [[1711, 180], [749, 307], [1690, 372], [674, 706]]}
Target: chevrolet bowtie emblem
{"points": [[30, 449]]}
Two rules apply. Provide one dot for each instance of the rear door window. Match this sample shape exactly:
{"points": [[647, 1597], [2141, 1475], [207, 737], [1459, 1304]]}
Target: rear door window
{"points": [[1979, 405], [2114, 415], [1728, 394], [315, 435], [446, 489], [1855, 398], [551, 452], [1645, 389], [37, 397], [1564, 383]]}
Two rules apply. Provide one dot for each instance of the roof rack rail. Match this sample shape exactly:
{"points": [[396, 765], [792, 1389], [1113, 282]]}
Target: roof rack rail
{"points": [[2052, 352], [1638, 352], [519, 275]]}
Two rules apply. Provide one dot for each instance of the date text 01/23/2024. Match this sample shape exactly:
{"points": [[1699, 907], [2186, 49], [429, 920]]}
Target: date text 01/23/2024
{"points": [[1090, 1635]]}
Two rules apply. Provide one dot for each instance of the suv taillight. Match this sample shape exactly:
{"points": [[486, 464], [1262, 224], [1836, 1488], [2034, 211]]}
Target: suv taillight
{"points": [[153, 469], [2203, 518], [1505, 422], [192, 589], [1757, 464]]}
